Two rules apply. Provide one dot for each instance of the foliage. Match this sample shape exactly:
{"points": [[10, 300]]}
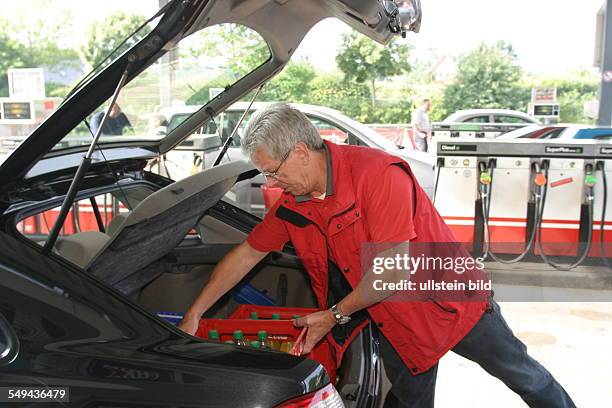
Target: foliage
{"points": [[10, 57], [32, 39], [106, 35], [351, 98], [363, 60], [293, 84], [238, 46], [573, 90], [38, 32], [487, 77]]}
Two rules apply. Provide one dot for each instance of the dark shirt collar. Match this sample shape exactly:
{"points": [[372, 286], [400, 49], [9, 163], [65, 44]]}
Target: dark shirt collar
{"points": [[329, 190]]}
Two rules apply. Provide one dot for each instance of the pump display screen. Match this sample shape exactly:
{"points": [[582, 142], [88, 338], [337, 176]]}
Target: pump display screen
{"points": [[544, 110], [16, 110]]}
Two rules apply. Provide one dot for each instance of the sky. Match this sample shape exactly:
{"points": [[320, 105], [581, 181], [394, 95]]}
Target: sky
{"points": [[550, 37]]}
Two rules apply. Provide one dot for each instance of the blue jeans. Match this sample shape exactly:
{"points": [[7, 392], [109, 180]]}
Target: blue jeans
{"points": [[494, 347]]}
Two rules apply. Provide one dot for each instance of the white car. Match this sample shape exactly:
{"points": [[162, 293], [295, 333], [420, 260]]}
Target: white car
{"points": [[332, 125], [490, 116], [560, 131]]}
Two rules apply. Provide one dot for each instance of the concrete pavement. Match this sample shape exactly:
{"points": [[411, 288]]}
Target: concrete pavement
{"points": [[572, 340]]}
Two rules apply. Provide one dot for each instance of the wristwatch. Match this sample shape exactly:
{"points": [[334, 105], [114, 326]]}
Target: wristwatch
{"points": [[340, 318]]}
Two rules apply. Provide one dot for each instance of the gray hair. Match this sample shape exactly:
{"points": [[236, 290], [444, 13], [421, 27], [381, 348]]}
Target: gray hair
{"points": [[278, 128]]}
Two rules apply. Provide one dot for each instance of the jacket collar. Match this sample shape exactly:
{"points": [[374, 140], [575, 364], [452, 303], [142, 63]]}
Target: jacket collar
{"points": [[329, 189]]}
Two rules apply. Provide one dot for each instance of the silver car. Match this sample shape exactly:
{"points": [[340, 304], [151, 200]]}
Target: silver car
{"points": [[201, 149]]}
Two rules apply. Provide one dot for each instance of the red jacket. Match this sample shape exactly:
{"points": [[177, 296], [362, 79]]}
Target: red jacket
{"points": [[420, 332]]}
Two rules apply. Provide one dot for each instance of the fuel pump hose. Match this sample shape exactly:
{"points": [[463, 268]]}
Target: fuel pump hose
{"points": [[486, 208], [582, 257]]}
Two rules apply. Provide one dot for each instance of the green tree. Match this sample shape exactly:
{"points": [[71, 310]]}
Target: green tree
{"points": [[34, 38], [293, 84], [487, 77], [239, 47], [363, 60], [351, 98], [105, 35], [10, 57], [38, 32]]}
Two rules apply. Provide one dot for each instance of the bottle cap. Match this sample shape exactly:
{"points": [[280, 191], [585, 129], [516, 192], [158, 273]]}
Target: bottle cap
{"points": [[262, 335], [238, 335], [275, 316], [213, 334], [255, 344], [254, 316]]}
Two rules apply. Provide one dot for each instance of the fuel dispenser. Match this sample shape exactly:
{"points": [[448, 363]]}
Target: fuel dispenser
{"points": [[582, 244], [561, 206], [529, 199], [455, 194], [510, 227], [602, 223]]}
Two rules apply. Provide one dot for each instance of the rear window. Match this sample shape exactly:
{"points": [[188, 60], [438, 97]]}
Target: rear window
{"points": [[477, 119], [510, 119], [196, 70]]}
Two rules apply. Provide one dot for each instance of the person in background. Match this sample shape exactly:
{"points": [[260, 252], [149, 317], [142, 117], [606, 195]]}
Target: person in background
{"points": [[114, 124], [158, 125], [421, 129]]}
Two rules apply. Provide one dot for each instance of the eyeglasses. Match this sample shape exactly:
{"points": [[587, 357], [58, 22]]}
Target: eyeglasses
{"points": [[273, 174]]}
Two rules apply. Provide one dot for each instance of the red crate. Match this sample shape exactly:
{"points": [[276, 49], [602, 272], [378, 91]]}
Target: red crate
{"points": [[282, 330], [265, 312]]}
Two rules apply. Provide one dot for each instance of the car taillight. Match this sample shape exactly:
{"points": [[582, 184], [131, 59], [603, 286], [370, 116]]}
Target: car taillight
{"points": [[326, 397]]}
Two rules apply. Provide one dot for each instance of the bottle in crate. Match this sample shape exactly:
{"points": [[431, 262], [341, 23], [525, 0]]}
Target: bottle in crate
{"points": [[213, 335], [262, 338], [239, 339], [286, 346]]}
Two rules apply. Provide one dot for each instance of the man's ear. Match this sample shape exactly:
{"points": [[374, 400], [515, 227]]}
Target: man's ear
{"points": [[302, 151]]}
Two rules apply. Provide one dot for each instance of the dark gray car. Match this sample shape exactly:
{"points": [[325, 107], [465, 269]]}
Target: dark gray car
{"points": [[91, 248]]}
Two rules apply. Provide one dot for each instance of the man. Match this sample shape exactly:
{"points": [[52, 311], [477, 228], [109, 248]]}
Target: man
{"points": [[335, 199], [421, 129], [114, 124]]}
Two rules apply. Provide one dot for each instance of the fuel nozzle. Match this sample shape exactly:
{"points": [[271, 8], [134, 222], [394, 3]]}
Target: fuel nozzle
{"points": [[539, 179], [485, 177], [485, 174], [589, 181]]}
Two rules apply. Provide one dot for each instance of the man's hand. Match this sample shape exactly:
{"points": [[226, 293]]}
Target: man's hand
{"points": [[318, 325], [228, 272], [189, 324]]}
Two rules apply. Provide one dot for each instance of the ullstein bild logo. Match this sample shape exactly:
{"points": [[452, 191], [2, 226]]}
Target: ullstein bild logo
{"points": [[605, 150], [563, 149]]}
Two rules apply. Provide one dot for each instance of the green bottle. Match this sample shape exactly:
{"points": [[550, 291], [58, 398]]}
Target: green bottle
{"points": [[275, 316], [213, 335], [254, 316], [262, 338], [239, 339], [255, 344]]}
